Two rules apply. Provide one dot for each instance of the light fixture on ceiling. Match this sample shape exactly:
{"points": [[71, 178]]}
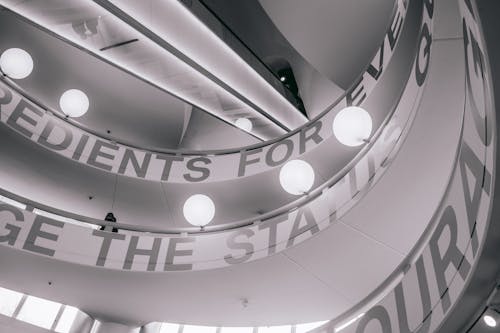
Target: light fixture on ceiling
{"points": [[16, 63], [352, 126], [490, 321], [244, 124], [199, 210], [296, 177], [74, 103]]}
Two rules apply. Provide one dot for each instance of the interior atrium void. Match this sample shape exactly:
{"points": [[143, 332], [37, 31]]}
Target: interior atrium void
{"points": [[252, 166]]}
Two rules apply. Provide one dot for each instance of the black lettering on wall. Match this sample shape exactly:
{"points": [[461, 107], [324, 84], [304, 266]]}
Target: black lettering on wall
{"points": [[372, 70], [483, 127], [139, 169], [244, 161], [378, 313], [233, 244], [204, 172], [134, 251], [272, 225], [451, 255], [98, 152], [271, 161], [304, 213], [80, 147], [107, 238], [6, 98], [173, 252], [20, 113], [429, 7], [421, 73], [357, 94], [48, 129], [37, 232], [11, 237], [395, 29], [314, 136], [169, 160], [425, 298], [469, 160]]}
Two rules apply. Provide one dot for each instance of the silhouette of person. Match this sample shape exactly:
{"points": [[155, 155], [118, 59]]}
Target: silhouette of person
{"points": [[109, 218]]}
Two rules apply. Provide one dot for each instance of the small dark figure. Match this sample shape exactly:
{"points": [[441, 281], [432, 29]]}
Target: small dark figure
{"points": [[109, 218]]}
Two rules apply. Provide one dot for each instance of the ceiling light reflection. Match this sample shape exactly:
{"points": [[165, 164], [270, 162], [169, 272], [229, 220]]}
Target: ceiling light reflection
{"points": [[244, 124]]}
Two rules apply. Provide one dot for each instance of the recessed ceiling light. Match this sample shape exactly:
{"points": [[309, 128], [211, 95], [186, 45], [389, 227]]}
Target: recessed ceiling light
{"points": [[490, 321]]}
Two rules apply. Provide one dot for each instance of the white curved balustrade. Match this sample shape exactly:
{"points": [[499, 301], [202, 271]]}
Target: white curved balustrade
{"points": [[261, 239], [326, 168], [423, 290], [77, 143], [414, 298]]}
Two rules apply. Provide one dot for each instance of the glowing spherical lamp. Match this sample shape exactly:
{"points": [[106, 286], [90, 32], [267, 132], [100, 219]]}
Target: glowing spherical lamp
{"points": [[16, 63], [490, 321], [199, 210], [244, 123], [352, 126], [296, 177], [74, 103]]}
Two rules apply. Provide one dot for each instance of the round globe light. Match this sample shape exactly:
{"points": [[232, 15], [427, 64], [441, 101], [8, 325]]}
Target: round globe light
{"points": [[244, 123], [16, 63], [490, 321], [74, 103], [352, 126], [199, 210], [296, 177]]}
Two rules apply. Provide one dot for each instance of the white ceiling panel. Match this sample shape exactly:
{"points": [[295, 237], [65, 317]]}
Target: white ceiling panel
{"points": [[345, 259]]}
